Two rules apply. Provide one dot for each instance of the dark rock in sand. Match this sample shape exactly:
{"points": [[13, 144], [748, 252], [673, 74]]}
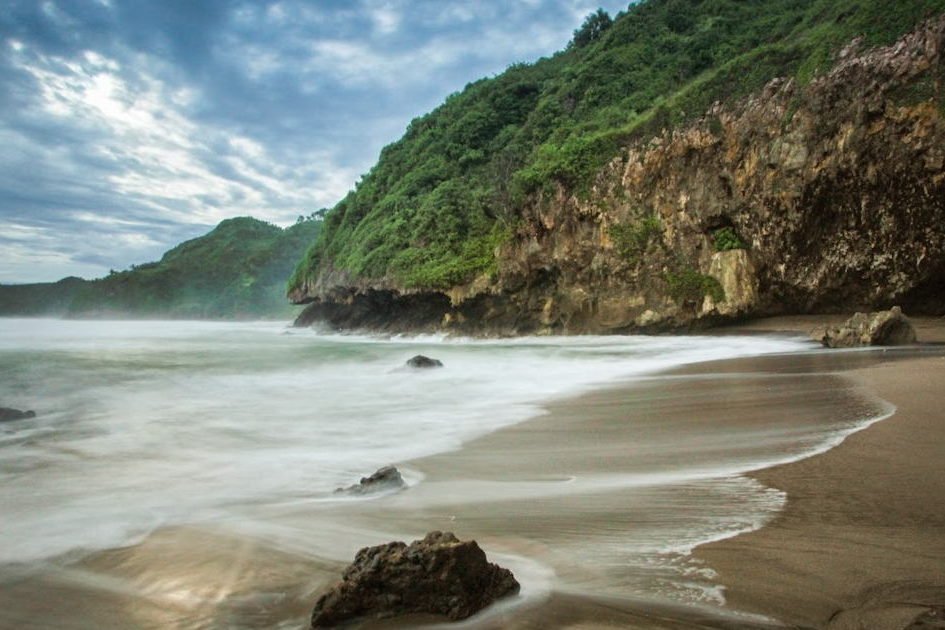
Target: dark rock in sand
{"points": [[421, 361], [438, 575], [883, 328], [386, 478], [7, 414]]}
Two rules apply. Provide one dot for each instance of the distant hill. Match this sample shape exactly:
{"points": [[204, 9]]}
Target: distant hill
{"points": [[236, 271], [45, 298]]}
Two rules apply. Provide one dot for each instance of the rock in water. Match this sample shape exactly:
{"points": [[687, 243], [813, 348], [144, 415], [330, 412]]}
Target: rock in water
{"points": [[386, 478], [15, 414], [883, 328], [421, 361], [438, 575]]}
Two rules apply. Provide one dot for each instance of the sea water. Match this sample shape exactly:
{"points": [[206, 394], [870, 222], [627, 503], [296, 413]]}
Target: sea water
{"points": [[147, 424]]}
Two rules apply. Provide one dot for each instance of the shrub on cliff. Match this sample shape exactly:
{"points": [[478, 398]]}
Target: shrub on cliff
{"points": [[632, 239], [690, 286], [725, 239]]}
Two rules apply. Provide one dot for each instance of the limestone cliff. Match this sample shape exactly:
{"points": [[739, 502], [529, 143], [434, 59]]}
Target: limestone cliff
{"points": [[824, 197]]}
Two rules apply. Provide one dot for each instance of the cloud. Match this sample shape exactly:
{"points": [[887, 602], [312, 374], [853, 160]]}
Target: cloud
{"points": [[132, 137], [386, 17], [129, 126]]}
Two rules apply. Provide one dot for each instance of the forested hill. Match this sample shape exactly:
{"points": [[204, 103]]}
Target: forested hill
{"points": [[236, 271], [444, 207]]}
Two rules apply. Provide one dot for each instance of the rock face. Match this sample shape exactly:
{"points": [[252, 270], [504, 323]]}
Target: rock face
{"points": [[825, 197], [885, 328], [421, 361], [386, 478], [438, 575], [7, 414]]}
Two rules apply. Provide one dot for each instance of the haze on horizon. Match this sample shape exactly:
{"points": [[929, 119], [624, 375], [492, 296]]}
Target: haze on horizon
{"points": [[128, 127]]}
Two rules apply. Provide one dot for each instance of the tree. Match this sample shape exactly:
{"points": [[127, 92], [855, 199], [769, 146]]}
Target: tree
{"points": [[593, 27]]}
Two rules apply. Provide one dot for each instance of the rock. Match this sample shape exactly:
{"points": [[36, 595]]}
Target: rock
{"points": [[421, 361], [386, 478], [438, 575], [7, 414], [738, 278], [883, 328]]}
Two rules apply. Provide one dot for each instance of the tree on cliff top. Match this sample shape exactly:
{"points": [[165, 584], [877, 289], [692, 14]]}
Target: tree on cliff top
{"points": [[593, 27]]}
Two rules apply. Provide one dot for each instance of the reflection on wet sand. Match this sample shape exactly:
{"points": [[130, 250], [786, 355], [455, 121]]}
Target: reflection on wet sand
{"points": [[595, 506]]}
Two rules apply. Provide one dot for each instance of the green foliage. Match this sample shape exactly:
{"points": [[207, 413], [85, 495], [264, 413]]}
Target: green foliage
{"points": [[238, 270], [473, 162], [593, 27], [441, 269], [688, 285], [726, 239], [40, 299], [632, 239]]}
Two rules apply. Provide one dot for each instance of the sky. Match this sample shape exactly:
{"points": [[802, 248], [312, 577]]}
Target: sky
{"points": [[129, 126]]}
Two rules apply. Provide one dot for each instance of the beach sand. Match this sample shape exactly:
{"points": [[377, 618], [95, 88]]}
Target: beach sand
{"points": [[861, 542], [862, 530]]}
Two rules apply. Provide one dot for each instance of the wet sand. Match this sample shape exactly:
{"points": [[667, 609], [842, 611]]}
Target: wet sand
{"points": [[559, 499], [861, 542]]}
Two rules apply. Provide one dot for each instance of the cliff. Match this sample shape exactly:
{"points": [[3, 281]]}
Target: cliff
{"points": [[815, 197]]}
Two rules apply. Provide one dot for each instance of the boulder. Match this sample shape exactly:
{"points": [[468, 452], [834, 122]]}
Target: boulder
{"points": [[15, 414], [882, 328], [438, 575], [386, 478], [421, 361]]}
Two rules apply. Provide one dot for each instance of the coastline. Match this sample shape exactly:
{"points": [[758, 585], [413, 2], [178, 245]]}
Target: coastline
{"points": [[821, 561], [861, 540], [548, 497], [521, 449]]}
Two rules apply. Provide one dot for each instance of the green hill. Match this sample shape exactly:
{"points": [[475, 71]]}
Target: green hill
{"points": [[431, 212], [43, 298], [238, 270]]}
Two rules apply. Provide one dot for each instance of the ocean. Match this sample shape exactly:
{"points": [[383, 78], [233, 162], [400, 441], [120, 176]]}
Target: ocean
{"points": [[147, 425]]}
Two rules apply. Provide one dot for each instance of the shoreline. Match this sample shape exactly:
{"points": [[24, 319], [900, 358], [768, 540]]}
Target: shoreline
{"points": [[860, 542], [750, 601], [548, 497], [583, 608]]}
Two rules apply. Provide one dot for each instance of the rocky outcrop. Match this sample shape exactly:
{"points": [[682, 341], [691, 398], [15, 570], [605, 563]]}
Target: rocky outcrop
{"points": [[885, 328], [823, 197], [8, 414], [384, 479], [438, 575], [421, 361]]}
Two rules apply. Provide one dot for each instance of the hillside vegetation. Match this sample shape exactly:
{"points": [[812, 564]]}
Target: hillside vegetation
{"points": [[431, 212], [238, 270]]}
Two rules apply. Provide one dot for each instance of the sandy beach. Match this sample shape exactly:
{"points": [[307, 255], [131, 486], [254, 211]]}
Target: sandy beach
{"points": [[851, 538], [861, 542]]}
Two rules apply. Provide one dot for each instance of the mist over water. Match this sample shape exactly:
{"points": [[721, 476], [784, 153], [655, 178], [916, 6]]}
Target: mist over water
{"points": [[148, 424]]}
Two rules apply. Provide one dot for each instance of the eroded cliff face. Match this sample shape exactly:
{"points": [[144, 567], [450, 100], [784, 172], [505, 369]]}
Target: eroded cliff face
{"points": [[824, 197]]}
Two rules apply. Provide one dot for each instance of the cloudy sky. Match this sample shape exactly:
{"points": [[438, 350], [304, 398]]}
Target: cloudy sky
{"points": [[127, 126]]}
